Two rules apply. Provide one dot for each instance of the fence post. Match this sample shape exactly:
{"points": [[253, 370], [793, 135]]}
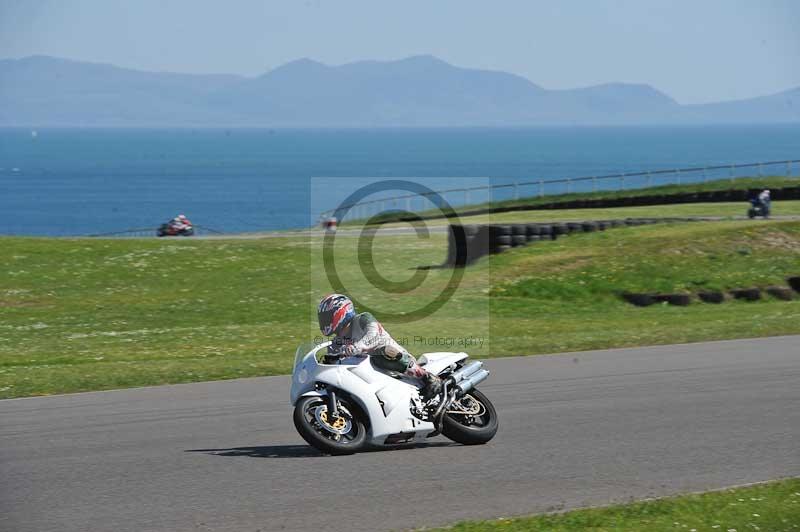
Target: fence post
{"points": [[732, 173], [516, 191], [541, 188], [594, 184], [649, 179], [788, 168], [466, 196], [760, 170], [678, 175], [622, 182], [705, 175], [569, 185]]}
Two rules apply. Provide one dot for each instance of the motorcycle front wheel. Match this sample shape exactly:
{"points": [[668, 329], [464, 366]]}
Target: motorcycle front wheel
{"points": [[344, 435], [472, 420]]}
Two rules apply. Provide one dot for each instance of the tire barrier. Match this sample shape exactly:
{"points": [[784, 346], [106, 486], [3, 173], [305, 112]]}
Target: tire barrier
{"points": [[639, 300], [713, 297], [467, 243], [746, 294], [680, 300], [574, 227], [519, 229], [559, 229], [794, 282], [783, 293]]}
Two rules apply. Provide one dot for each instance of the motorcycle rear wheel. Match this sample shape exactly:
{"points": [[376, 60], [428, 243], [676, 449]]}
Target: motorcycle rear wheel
{"points": [[310, 420], [472, 430]]}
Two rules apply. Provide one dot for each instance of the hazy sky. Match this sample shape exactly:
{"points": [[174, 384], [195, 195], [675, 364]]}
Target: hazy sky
{"points": [[695, 51]]}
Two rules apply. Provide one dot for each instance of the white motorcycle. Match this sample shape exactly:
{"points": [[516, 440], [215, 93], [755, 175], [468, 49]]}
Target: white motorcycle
{"points": [[344, 404]]}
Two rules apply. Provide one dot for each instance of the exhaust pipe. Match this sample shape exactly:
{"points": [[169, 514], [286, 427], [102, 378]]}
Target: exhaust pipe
{"points": [[466, 371], [472, 381]]}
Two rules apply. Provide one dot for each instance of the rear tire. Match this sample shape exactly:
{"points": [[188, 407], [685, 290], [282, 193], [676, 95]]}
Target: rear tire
{"points": [[472, 430], [316, 434]]}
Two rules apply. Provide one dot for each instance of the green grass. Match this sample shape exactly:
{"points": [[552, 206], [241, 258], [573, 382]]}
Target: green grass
{"points": [[90, 314], [770, 507], [740, 183]]}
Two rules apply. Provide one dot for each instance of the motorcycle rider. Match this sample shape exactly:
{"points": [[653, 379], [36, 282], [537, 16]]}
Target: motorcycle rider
{"points": [[765, 201], [180, 223], [361, 334]]}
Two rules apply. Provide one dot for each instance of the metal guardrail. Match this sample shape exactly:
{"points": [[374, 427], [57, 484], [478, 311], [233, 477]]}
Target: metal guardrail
{"points": [[199, 230], [594, 183]]}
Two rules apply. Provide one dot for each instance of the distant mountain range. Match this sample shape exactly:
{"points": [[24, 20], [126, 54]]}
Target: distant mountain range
{"points": [[419, 91]]}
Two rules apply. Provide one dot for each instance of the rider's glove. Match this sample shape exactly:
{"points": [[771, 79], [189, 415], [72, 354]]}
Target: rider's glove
{"points": [[347, 350]]}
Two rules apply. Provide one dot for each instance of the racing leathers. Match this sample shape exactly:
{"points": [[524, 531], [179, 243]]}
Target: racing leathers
{"points": [[366, 336]]}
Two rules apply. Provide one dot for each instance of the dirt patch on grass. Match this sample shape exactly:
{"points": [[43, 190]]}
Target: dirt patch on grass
{"points": [[7, 303], [780, 240]]}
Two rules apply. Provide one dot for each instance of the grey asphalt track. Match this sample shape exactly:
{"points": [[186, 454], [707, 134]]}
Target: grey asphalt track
{"points": [[576, 429]]}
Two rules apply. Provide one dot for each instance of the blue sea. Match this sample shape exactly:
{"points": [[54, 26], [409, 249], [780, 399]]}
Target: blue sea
{"points": [[83, 181]]}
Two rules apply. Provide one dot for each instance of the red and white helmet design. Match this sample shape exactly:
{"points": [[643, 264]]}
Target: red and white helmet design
{"points": [[334, 312]]}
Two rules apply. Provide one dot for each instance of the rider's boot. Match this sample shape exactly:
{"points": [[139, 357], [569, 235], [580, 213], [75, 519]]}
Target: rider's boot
{"points": [[432, 386]]}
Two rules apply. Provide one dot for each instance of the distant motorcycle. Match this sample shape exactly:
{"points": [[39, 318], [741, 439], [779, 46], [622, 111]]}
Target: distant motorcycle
{"points": [[757, 208], [344, 404], [168, 229]]}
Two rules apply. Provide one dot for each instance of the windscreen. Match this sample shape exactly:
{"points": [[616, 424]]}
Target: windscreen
{"points": [[304, 349]]}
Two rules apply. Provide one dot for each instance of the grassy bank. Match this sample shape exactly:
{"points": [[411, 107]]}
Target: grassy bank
{"points": [[85, 314], [772, 507]]}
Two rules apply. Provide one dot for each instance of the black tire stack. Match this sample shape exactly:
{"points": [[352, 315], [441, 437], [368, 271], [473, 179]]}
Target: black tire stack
{"points": [[519, 235], [532, 233], [467, 243], [499, 238], [715, 297]]}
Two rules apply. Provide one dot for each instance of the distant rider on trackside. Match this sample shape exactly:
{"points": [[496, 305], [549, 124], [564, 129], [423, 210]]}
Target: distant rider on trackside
{"points": [[765, 201], [362, 335], [180, 223], [761, 205]]}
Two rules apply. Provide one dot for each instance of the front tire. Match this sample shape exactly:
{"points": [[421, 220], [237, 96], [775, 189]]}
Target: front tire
{"points": [[474, 428], [345, 435]]}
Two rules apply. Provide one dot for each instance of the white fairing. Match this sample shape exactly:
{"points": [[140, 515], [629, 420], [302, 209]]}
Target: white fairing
{"points": [[386, 400], [437, 362]]}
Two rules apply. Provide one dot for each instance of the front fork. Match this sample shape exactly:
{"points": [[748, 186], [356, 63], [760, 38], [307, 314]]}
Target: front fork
{"points": [[333, 408]]}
